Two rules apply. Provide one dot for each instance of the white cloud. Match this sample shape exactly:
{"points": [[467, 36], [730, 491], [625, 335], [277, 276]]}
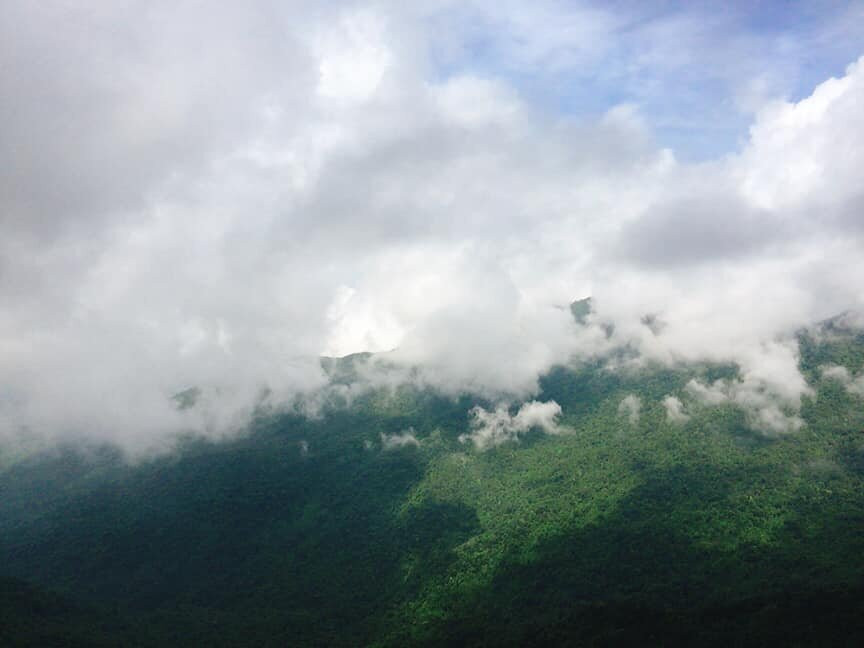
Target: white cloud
{"points": [[404, 439], [474, 103], [675, 410], [801, 154], [836, 372], [630, 406], [854, 384], [248, 188], [769, 412], [714, 394], [489, 429], [356, 322], [353, 56]]}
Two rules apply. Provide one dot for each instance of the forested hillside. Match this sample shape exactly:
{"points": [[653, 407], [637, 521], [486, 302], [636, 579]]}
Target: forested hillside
{"points": [[374, 523]]}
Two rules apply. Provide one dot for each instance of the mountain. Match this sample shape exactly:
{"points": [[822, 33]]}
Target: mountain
{"points": [[382, 524]]}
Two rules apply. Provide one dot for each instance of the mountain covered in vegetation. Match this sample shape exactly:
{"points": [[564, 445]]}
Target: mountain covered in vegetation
{"points": [[620, 506]]}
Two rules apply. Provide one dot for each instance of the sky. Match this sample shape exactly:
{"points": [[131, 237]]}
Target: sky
{"points": [[216, 194]]}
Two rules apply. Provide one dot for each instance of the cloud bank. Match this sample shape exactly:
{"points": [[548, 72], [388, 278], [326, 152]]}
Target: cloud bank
{"points": [[215, 199]]}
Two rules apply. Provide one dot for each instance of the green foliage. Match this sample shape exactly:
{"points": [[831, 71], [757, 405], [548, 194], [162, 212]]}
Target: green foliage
{"points": [[31, 617], [308, 532]]}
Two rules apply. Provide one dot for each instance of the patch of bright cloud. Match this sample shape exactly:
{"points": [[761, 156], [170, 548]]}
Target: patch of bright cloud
{"points": [[766, 412], [630, 406], [353, 56], [675, 410], [489, 429], [404, 439]]}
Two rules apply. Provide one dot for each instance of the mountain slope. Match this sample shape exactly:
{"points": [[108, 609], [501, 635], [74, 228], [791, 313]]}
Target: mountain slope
{"points": [[328, 532]]}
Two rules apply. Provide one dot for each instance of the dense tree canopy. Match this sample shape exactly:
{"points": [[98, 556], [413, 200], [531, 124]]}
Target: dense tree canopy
{"points": [[316, 531]]}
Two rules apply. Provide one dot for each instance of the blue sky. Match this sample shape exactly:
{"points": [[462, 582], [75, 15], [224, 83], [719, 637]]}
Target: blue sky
{"points": [[697, 71]]}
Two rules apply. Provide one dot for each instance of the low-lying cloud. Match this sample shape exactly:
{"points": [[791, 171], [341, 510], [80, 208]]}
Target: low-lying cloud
{"points": [[767, 412], [630, 407], [406, 439], [854, 384], [675, 410], [489, 429]]}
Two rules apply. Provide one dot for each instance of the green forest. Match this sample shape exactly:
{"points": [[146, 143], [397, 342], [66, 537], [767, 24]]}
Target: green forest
{"points": [[317, 531]]}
